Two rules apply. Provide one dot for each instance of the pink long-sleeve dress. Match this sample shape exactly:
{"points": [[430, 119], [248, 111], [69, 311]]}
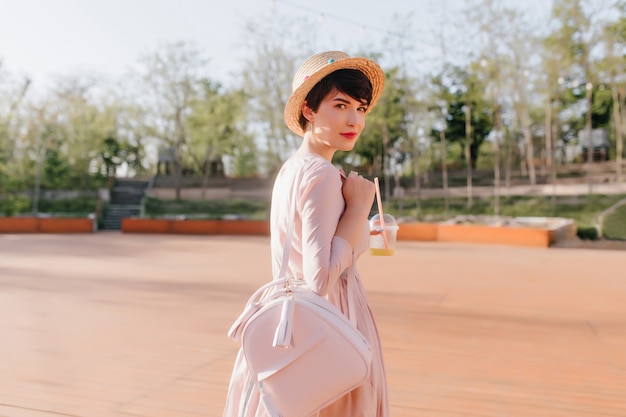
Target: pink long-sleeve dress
{"points": [[325, 262]]}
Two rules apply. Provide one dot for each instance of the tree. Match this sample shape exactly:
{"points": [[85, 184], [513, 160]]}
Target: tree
{"points": [[492, 20], [12, 98], [614, 36], [553, 57], [405, 57], [112, 155], [575, 30], [40, 135], [460, 88], [81, 119], [133, 131], [522, 42], [172, 79], [217, 128], [267, 79], [385, 127]]}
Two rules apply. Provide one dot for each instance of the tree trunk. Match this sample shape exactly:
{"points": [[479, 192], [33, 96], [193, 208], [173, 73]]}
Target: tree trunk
{"points": [[550, 142], [496, 163], [468, 156], [589, 94], [620, 142], [41, 152], [418, 185], [508, 150], [618, 133], [178, 172], [444, 170], [206, 170], [386, 162], [530, 151]]}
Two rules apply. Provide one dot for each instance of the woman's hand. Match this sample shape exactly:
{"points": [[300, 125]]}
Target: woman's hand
{"points": [[358, 191], [358, 194]]}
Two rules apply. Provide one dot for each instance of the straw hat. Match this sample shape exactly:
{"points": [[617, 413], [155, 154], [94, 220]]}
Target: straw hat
{"points": [[319, 66]]}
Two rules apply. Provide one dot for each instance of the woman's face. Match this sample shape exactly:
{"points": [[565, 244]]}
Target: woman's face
{"points": [[337, 124]]}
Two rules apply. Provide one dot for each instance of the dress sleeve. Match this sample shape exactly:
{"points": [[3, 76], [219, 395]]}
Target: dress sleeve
{"points": [[321, 204]]}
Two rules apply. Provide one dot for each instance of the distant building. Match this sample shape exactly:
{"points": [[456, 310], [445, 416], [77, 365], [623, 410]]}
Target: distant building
{"points": [[166, 161], [600, 144]]}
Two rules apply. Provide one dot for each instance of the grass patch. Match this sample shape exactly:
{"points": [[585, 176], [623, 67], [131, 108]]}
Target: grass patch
{"points": [[583, 209], [614, 225]]}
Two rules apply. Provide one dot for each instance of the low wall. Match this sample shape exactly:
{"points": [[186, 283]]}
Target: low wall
{"points": [[195, 226], [516, 236], [530, 236], [418, 231], [47, 225]]}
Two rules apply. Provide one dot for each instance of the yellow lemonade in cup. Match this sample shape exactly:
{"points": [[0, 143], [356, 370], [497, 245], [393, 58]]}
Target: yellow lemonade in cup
{"points": [[381, 252], [383, 240]]}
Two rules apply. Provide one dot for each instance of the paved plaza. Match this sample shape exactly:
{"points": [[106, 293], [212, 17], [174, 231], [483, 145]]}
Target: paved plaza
{"points": [[121, 325]]}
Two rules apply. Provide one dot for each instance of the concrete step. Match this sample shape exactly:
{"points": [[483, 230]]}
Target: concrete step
{"points": [[128, 191], [114, 213], [131, 183], [126, 196]]}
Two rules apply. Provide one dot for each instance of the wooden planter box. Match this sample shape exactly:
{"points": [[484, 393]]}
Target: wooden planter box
{"points": [[429, 232], [47, 225], [139, 225], [516, 236], [66, 225], [245, 227], [196, 226], [418, 231], [18, 225], [527, 232]]}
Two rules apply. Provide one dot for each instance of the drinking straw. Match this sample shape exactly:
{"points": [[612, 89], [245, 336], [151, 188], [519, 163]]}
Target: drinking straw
{"points": [[380, 211]]}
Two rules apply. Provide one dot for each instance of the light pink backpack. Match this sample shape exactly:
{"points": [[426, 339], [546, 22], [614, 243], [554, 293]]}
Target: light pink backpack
{"points": [[302, 351]]}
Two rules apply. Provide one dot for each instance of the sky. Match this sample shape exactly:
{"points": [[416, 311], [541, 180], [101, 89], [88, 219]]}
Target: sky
{"points": [[43, 39]]}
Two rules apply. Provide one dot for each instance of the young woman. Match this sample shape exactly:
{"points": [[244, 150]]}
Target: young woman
{"points": [[332, 93]]}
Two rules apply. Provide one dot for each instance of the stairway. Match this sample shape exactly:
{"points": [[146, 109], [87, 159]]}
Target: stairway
{"points": [[126, 196]]}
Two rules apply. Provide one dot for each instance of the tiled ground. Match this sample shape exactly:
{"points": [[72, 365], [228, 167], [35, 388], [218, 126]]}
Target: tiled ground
{"points": [[112, 325]]}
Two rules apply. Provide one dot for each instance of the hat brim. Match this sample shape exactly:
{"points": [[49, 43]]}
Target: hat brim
{"points": [[369, 68]]}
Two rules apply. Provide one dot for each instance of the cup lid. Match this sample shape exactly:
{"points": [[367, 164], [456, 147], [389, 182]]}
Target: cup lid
{"points": [[388, 219]]}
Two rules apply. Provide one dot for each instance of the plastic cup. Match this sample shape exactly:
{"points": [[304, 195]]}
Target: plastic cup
{"points": [[377, 241]]}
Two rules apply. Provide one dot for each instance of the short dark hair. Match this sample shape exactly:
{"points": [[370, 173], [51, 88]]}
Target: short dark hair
{"points": [[349, 81]]}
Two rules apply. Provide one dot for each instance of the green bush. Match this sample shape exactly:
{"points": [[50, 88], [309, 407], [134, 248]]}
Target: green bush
{"points": [[587, 233], [210, 209], [15, 204], [76, 206]]}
